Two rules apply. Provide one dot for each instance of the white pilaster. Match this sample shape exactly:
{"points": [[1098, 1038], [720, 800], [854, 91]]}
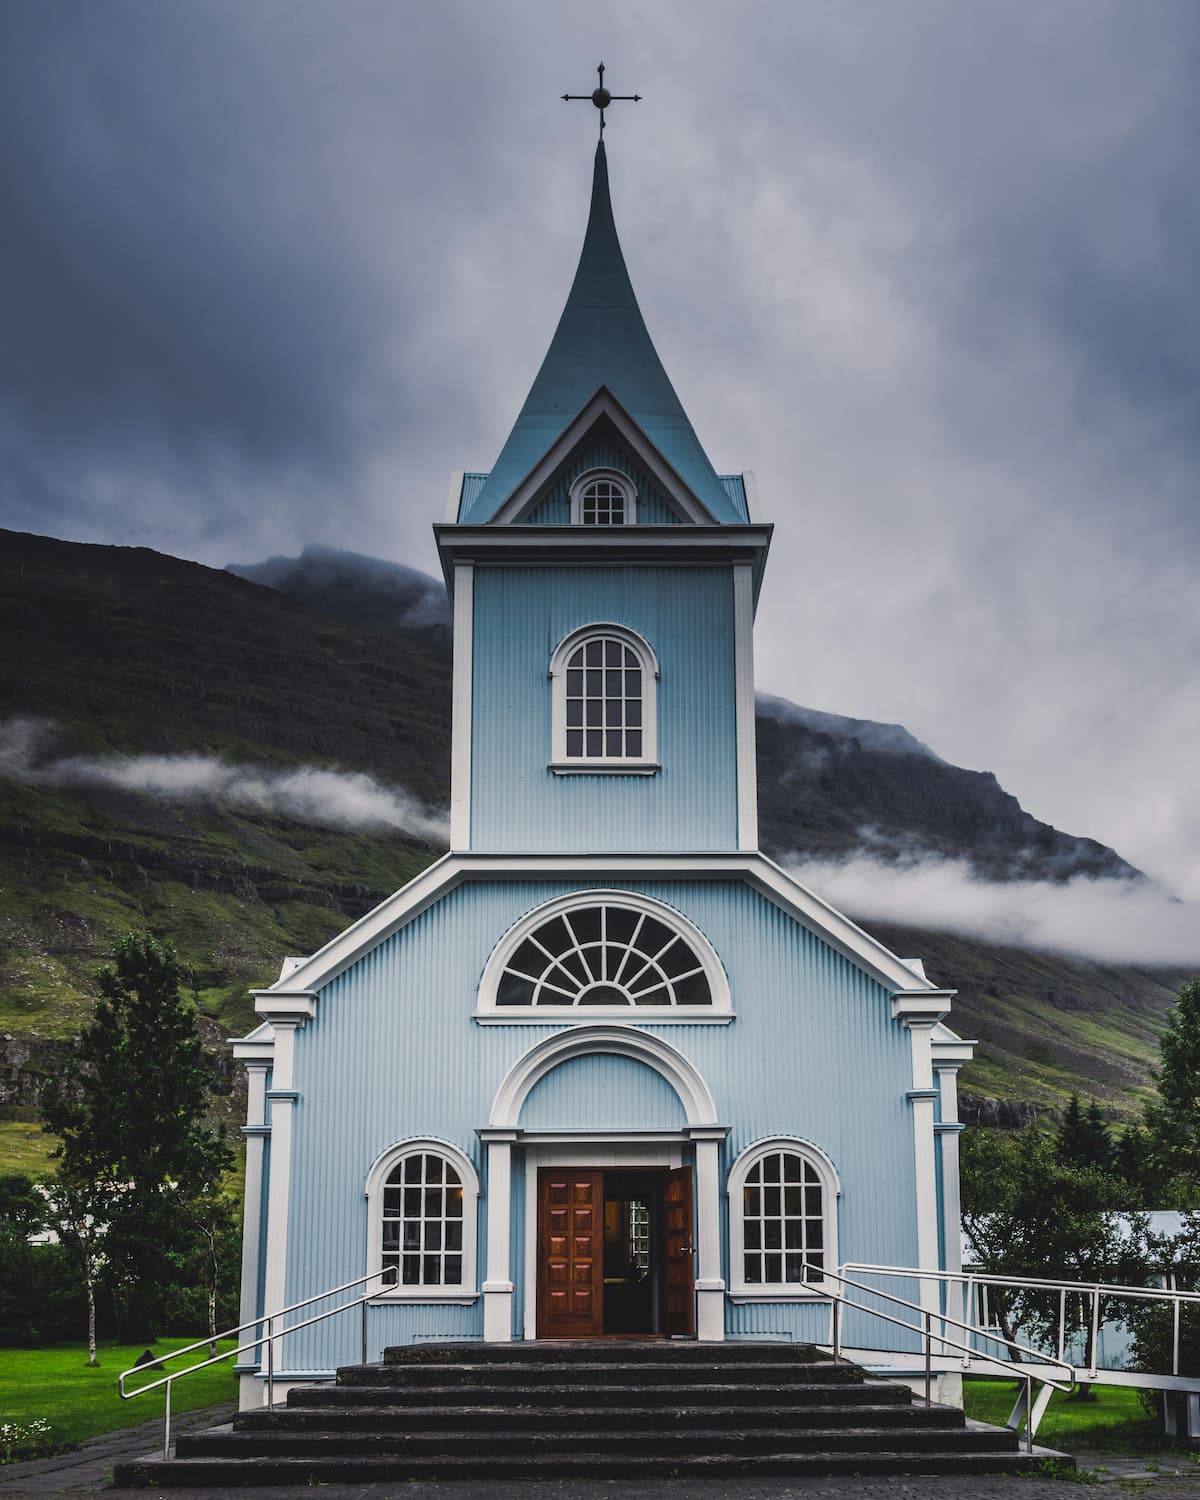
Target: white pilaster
{"points": [[710, 1285], [922, 1096], [256, 1132], [460, 727], [498, 1285], [282, 1098]]}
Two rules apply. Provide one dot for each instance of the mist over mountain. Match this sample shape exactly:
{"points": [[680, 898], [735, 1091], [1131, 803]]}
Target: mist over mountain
{"points": [[247, 766]]}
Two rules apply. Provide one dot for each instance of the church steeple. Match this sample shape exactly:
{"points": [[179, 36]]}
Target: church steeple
{"points": [[601, 341]]}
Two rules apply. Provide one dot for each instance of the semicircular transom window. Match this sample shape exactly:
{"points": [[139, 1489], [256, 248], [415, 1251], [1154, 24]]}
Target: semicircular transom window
{"points": [[603, 955]]}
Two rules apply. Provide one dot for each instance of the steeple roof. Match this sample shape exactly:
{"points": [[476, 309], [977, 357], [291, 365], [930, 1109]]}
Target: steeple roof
{"points": [[601, 340]]}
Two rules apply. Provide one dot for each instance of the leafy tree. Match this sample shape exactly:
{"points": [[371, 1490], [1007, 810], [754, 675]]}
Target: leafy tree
{"points": [[1173, 1119], [79, 1213], [22, 1213], [129, 1111]]}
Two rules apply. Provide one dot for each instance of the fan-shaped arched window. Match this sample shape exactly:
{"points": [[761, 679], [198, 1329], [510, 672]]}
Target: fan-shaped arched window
{"points": [[604, 718], [604, 953], [422, 1197], [603, 497], [782, 1220]]}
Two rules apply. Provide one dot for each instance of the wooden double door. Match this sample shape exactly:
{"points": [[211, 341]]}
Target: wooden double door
{"points": [[614, 1253]]}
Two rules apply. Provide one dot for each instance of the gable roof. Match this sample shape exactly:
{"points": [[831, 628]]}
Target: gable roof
{"points": [[601, 340]]}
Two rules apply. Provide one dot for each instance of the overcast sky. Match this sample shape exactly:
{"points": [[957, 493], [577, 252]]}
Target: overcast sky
{"points": [[270, 270]]}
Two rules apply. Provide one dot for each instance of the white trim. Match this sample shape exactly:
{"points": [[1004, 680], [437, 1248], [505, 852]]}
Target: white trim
{"points": [[454, 497], [922, 1097], [603, 404], [381, 1168], [669, 916], [759, 872], [583, 767], [831, 1188], [257, 1128], [461, 727], [584, 1040], [743, 685], [623, 482], [283, 1104], [753, 506], [642, 649]]}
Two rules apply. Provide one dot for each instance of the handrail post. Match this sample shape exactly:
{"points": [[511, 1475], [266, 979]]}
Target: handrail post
{"points": [[1175, 1337], [1028, 1413], [928, 1360], [270, 1361], [1094, 1362], [1062, 1322], [167, 1423], [364, 1328], [837, 1327]]}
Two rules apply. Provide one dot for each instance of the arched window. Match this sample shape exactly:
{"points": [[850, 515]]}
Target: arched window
{"points": [[604, 682], [603, 497], [422, 1200], [600, 954], [782, 1220]]}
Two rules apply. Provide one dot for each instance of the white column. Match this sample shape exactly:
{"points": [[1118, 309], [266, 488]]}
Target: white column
{"points": [[710, 1285], [498, 1286], [256, 1131], [746, 734], [282, 1099], [461, 728], [922, 1096]]}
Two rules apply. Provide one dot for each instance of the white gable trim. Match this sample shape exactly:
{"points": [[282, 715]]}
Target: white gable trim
{"points": [[603, 404], [585, 1041], [911, 998]]}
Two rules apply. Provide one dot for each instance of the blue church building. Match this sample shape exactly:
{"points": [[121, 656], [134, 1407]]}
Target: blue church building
{"points": [[603, 1069]]}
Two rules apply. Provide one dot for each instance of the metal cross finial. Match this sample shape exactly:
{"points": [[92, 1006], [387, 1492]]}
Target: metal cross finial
{"points": [[601, 98]]}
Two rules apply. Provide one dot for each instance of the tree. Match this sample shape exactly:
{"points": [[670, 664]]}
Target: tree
{"points": [[1173, 1119], [79, 1213], [22, 1214], [1083, 1139], [129, 1111]]}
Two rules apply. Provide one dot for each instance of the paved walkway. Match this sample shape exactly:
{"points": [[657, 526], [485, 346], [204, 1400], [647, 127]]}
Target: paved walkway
{"points": [[88, 1469]]}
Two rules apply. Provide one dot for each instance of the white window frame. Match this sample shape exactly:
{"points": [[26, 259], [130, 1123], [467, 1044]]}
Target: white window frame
{"points": [[740, 1290], [720, 1012], [645, 764], [381, 1169], [614, 476]]}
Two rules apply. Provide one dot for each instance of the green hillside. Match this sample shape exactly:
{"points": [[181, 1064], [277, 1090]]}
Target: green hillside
{"points": [[120, 652]]}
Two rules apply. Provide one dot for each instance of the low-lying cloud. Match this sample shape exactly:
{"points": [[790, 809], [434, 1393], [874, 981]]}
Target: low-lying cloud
{"points": [[310, 794], [1115, 921]]}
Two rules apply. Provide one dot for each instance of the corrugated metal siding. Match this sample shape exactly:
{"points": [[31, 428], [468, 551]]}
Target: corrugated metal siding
{"points": [[735, 488], [517, 802], [554, 508], [393, 1054], [471, 486], [603, 1093]]}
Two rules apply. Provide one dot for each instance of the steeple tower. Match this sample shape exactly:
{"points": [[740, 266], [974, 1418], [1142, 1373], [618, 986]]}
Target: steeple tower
{"points": [[601, 342]]}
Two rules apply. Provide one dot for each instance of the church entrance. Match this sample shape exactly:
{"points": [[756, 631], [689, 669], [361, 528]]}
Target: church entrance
{"points": [[614, 1253]]}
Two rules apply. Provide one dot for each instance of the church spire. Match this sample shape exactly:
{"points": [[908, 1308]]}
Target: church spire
{"points": [[601, 341]]}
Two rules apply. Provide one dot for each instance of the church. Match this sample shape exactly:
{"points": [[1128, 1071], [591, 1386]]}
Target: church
{"points": [[603, 1070]]}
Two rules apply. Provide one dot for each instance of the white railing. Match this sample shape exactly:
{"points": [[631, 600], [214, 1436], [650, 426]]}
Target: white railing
{"points": [[272, 1337], [975, 1287], [925, 1328]]}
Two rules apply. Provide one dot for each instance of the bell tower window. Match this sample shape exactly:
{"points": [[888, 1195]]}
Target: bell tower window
{"points": [[604, 683], [603, 497]]}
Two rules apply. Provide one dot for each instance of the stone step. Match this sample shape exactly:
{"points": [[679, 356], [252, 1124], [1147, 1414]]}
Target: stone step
{"points": [[153, 1472], [567, 1443], [634, 1371], [522, 1419], [636, 1392], [599, 1351]]}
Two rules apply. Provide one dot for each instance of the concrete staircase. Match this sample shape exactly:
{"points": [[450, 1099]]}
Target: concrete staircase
{"points": [[596, 1409]]}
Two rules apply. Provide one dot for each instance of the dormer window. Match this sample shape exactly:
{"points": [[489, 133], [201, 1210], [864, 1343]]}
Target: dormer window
{"points": [[603, 497], [604, 682]]}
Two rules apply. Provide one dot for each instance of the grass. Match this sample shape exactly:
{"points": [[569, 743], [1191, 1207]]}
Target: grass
{"points": [[56, 1384], [1115, 1422], [25, 1147]]}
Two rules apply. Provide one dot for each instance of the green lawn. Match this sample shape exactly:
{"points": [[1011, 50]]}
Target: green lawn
{"points": [[56, 1384], [1114, 1422]]}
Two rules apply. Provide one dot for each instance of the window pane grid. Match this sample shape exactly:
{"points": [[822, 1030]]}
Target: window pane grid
{"points": [[783, 1224], [423, 1223], [602, 503], [604, 701], [605, 969]]}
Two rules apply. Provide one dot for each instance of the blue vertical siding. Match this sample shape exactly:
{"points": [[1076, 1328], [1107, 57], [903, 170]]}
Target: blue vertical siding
{"points": [[393, 1054], [554, 508], [517, 802]]}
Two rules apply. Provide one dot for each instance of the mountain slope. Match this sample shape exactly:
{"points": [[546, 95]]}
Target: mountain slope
{"points": [[161, 725]]}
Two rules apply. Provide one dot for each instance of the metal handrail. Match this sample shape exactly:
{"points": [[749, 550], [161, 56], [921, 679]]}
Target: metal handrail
{"points": [[927, 1335], [1097, 1290], [269, 1338]]}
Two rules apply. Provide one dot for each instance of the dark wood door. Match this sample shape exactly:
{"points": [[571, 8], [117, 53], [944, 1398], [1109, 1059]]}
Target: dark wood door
{"points": [[570, 1254], [680, 1292]]}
